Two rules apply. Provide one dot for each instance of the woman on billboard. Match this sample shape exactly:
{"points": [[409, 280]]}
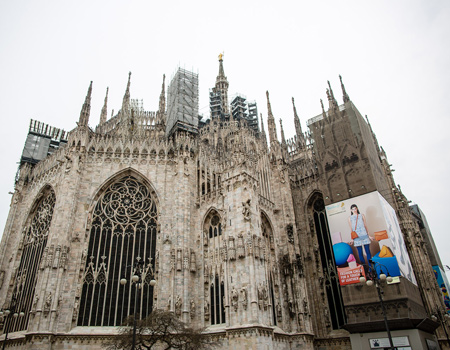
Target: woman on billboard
{"points": [[360, 233]]}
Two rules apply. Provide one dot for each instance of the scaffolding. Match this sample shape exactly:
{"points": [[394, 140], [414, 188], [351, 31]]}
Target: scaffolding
{"points": [[252, 118], [243, 110], [42, 140], [182, 104], [215, 104], [239, 108]]}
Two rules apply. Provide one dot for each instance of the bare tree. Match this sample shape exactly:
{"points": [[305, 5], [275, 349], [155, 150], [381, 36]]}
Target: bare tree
{"points": [[160, 330]]}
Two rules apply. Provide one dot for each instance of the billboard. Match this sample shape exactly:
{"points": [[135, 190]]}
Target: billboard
{"points": [[443, 285], [364, 228]]}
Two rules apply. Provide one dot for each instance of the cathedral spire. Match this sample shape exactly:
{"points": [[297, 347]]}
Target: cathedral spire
{"points": [[332, 100], [162, 103], [263, 132], [284, 147], [283, 139], [271, 123], [324, 114], [162, 97], [345, 97], [86, 109], [222, 86], [221, 71], [104, 113], [126, 97], [298, 126]]}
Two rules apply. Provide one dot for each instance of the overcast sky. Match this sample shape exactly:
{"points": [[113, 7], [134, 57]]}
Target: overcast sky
{"points": [[394, 57]]}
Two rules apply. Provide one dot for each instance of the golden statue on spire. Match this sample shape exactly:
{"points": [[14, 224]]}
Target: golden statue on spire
{"points": [[220, 56]]}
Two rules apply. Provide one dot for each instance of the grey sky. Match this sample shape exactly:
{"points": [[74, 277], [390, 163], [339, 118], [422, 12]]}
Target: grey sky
{"points": [[393, 56]]}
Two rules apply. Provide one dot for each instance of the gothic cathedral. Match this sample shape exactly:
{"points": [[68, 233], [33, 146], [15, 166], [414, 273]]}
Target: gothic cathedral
{"points": [[239, 229]]}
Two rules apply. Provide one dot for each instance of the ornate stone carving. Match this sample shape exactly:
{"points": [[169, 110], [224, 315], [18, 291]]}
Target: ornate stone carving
{"points": [[179, 259], [256, 246], [223, 251], [63, 259], [35, 302], [186, 260], [249, 244], [172, 259], [206, 309], [75, 309], [290, 233], [178, 305], [50, 256], [231, 249], [262, 249], [244, 298], [305, 306], [263, 297], [291, 308], [279, 312], [192, 309], [299, 264], [246, 209], [57, 256], [205, 238], [240, 247], [193, 262], [234, 299], [285, 265], [48, 302]]}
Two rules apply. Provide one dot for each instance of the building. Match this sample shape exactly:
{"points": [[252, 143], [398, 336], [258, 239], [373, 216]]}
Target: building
{"points": [[428, 243], [245, 234]]}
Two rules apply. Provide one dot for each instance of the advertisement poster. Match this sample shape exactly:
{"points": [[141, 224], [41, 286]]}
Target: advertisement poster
{"points": [[364, 228], [443, 285]]}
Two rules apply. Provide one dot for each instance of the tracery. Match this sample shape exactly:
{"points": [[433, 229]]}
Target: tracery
{"points": [[123, 229], [34, 242]]}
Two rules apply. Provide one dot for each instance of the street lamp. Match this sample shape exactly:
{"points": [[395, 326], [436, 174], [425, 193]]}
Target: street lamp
{"points": [[137, 278], [7, 314], [443, 317], [373, 278]]}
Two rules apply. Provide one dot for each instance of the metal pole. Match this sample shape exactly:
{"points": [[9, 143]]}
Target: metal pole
{"points": [[134, 322], [6, 336], [380, 296]]}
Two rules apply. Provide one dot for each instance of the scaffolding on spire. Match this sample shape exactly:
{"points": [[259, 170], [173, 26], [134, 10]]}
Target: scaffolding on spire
{"points": [[182, 103]]}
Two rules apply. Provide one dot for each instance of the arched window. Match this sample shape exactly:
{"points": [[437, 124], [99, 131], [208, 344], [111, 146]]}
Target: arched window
{"points": [[333, 290], [214, 241], [34, 242], [269, 246], [215, 227], [123, 229]]}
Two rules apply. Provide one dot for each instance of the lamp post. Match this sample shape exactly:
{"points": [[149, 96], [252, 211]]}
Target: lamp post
{"points": [[138, 279], [7, 314], [373, 278], [443, 317]]}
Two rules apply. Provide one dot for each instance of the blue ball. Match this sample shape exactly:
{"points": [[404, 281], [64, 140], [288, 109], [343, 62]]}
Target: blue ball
{"points": [[341, 252]]}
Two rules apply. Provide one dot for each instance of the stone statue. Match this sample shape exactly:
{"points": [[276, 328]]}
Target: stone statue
{"points": [[48, 302], [246, 209], [244, 298], [279, 310], [178, 304], [234, 298], [192, 308], [35, 301]]}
